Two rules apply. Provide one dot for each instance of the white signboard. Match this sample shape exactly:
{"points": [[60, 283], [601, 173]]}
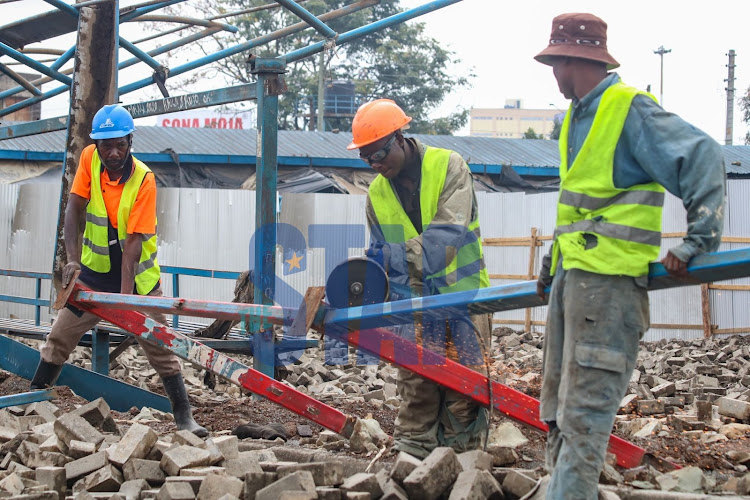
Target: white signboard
{"points": [[208, 119]]}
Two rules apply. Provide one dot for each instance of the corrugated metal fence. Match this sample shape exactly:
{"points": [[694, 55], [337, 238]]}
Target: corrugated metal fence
{"points": [[212, 229]]}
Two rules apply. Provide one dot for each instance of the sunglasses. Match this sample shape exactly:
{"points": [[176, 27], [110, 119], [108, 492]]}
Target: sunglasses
{"points": [[380, 154]]}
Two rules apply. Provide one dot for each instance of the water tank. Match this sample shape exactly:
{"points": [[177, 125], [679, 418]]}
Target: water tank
{"points": [[340, 98]]}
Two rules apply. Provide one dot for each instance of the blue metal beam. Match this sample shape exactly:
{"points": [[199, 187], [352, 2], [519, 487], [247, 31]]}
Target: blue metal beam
{"points": [[243, 47], [140, 54], [22, 360], [354, 34], [306, 16], [705, 268], [32, 63], [65, 57], [131, 16], [25, 398]]}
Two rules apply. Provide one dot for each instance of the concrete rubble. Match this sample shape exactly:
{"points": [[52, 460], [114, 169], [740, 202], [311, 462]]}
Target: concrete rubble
{"points": [[693, 393]]}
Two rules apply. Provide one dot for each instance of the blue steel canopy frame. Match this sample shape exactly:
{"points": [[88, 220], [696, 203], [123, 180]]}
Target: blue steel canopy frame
{"points": [[269, 86]]}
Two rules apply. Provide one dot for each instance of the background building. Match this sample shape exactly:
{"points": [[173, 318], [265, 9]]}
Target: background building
{"points": [[27, 114], [512, 121]]}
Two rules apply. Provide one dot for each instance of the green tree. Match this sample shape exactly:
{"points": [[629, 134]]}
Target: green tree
{"points": [[555, 134], [400, 63], [745, 106], [530, 134]]}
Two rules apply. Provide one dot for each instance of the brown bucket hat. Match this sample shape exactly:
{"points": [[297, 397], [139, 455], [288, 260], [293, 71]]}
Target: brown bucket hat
{"points": [[578, 35]]}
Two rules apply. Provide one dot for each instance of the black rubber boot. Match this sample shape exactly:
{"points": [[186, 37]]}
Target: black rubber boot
{"points": [[45, 376], [174, 386]]}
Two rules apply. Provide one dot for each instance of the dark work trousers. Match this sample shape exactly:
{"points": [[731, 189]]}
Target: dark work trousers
{"points": [[591, 340]]}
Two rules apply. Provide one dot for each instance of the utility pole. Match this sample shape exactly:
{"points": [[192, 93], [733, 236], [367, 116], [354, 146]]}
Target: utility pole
{"points": [[661, 51], [321, 91], [730, 98]]}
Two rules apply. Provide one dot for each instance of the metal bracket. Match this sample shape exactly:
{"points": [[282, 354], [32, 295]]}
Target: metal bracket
{"points": [[160, 77]]}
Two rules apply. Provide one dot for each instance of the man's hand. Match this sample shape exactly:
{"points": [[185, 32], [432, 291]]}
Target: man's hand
{"points": [[540, 290], [380, 252], [68, 271], [675, 266]]}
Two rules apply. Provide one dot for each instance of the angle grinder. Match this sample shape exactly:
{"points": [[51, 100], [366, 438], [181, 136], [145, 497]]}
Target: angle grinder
{"points": [[358, 281]]}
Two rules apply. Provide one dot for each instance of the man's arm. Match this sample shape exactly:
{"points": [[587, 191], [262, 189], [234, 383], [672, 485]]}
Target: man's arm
{"points": [[131, 255], [72, 235], [690, 165]]}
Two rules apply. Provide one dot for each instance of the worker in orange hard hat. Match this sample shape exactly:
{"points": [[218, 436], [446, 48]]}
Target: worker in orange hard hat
{"points": [[424, 220]]}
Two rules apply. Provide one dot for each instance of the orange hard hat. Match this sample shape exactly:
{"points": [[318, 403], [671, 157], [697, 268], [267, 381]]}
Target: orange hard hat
{"points": [[375, 120]]}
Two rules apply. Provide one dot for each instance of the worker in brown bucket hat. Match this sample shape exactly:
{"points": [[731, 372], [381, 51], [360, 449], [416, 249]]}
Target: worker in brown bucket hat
{"points": [[619, 151]]}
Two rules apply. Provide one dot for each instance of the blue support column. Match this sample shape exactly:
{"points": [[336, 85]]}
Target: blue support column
{"points": [[269, 87], [175, 293], [100, 351]]}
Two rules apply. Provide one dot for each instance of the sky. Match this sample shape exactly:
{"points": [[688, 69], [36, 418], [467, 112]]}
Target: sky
{"points": [[496, 41]]}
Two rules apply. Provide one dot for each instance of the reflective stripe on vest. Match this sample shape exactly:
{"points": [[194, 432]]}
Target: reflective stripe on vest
{"points": [[601, 228], [95, 252], [467, 270]]}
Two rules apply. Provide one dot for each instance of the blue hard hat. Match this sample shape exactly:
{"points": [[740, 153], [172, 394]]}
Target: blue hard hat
{"points": [[111, 122]]}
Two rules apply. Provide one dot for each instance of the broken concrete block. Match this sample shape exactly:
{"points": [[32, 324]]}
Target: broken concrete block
{"points": [[323, 473], [187, 438], [12, 483], [475, 485], [403, 466], [79, 449], [650, 407], [362, 482], [175, 491], [97, 413], [628, 404], [136, 443], [214, 486], [298, 495], [502, 456], [203, 471], [665, 389], [434, 475], [256, 481], [301, 480], [687, 480], [506, 435], [85, 466], [475, 459], [71, 427], [183, 457], [228, 445], [108, 478], [517, 484], [734, 431], [53, 478], [238, 467], [32, 456], [734, 408], [148, 470], [44, 409], [131, 490]]}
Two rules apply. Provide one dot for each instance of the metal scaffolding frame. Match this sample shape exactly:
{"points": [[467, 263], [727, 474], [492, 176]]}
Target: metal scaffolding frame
{"points": [[96, 23]]}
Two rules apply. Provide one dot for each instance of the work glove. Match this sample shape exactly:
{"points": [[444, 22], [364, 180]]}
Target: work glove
{"points": [[544, 279], [380, 252], [68, 271]]}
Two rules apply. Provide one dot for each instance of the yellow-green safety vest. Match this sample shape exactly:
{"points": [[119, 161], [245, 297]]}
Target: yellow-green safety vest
{"points": [[626, 222], [398, 228], [95, 253]]}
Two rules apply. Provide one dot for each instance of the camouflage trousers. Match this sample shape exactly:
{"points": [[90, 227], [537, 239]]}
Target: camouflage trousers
{"points": [[431, 415]]}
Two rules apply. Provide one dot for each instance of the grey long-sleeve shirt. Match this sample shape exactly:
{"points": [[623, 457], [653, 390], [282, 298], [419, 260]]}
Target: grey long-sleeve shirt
{"points": [[656, 145]]}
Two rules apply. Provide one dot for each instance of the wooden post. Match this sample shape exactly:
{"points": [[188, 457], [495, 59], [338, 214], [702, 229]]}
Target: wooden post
{"points": [[532, 261], [706, 311]]}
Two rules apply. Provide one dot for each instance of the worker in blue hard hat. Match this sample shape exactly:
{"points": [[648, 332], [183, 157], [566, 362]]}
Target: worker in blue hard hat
{"points": [[424, 219], [115, 194]]}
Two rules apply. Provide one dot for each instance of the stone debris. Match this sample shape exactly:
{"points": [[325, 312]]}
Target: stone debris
{"points": [[698, 391]]}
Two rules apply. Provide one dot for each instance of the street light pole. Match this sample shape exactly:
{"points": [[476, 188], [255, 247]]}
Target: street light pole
{"points": [[661, 51]]}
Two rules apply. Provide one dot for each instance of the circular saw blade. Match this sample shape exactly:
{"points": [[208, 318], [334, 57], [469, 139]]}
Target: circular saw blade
{"points": [[358, 281]]}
